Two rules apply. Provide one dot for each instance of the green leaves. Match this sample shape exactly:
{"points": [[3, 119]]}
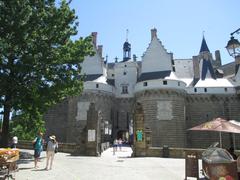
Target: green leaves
{"points": [[39, 63], [25, 126]]}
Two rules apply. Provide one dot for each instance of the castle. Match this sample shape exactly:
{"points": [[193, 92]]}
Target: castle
{"points": [[159, 96]]}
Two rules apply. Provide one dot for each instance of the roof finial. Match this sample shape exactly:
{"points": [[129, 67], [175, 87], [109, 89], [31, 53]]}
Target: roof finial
{"points": [[203, 33], [127, 35]]}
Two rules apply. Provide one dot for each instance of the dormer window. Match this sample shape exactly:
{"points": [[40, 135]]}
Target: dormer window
{"points": [[125, 89]]}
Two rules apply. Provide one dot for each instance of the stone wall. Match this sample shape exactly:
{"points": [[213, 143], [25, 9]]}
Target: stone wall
{"points": [[203, 108], [62, 147], [164, 115], [56, 121]]}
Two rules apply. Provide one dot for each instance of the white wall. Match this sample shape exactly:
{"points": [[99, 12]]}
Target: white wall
{"points": [[93, 65], [183, 68], [158, 84], [211, 90], [89, 85], [129, 79], [156, 58]]}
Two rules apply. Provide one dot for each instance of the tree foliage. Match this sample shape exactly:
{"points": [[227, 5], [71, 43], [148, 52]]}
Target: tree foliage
{"points": [[24, 126], [39, 63]]}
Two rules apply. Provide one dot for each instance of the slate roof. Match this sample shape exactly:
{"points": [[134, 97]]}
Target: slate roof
{"points": [[111, 82], [153, 75], [204, 47], [91, 77], [205, 67]]}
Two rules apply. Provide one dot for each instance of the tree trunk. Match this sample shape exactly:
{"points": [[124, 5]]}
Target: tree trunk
{"points": [[5, 125]]}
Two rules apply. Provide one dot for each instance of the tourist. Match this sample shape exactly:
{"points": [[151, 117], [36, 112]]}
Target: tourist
{"points": [[120, 144], [115, 144], [52, 146], [38, 147], [14, 142]]}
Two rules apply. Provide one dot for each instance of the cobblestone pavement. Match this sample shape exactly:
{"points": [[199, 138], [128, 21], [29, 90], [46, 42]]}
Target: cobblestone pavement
{"points": [[107, 167]]}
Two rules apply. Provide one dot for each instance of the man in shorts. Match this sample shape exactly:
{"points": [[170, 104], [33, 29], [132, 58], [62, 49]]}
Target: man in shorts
{"points": [[38, 147]]}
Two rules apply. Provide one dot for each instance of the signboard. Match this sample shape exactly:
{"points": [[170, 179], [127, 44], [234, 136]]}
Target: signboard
{"points": [[164, 110], [82, 108], [191, 164], [139, 135], [91, 135]]}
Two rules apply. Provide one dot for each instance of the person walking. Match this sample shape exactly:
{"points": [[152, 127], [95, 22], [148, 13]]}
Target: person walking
{"points": [[14, 142], [52, 146], [120, 144], [115, 144], [38, 147]]}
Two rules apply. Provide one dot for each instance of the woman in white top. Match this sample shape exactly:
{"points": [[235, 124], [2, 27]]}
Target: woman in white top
{"points": [[51, 147]]}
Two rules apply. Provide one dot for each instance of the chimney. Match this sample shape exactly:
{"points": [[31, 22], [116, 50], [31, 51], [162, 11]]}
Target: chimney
{"points": [[94, 38], [218, 58], [99, 50], [196, 70], [153, 33]]}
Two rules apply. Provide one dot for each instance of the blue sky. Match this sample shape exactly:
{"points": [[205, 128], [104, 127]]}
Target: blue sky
{"points": [[180, 24]]}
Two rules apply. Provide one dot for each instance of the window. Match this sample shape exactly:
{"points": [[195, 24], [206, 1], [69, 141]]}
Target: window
{"points": [[112, 75], [97, 85], [205, 89], [124, 73], [125, 65], [225, 89], [145, 84], [195, 89], [164, 82], [124, 89], [178, 83], [172, 62]]}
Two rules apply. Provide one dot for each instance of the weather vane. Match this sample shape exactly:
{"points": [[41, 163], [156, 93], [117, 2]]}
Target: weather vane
{"points": [[127, 35]]}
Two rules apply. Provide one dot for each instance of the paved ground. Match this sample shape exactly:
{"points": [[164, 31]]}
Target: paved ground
{"points": [[107, 167]]}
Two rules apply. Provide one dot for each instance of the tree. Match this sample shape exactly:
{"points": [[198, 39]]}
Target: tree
{"points": [[24, 127], [39, 63]]}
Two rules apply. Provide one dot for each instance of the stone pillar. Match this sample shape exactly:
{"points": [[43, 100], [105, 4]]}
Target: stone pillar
{"points": [[196, 70], [99, 50], [94, 38], [218, 58], [92, 132], [139, 143]]}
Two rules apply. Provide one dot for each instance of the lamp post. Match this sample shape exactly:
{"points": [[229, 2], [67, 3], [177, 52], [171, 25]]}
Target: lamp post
{"points": [[233, 48]]}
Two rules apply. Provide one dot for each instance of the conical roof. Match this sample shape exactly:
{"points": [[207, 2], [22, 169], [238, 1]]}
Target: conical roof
{"points": [[204, 47]]}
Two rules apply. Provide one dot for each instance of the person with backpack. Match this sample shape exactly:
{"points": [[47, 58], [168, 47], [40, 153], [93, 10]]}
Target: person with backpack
{"points": [[38, 147], [52, 147]]}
